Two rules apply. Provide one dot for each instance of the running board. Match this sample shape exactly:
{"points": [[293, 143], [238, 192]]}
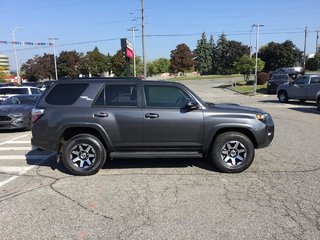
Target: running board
{"points": [[155, 155]]}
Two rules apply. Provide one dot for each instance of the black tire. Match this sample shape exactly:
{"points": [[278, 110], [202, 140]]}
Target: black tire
{"points": [[283, 97], [87, 150], [318, 104], [228, 159]]}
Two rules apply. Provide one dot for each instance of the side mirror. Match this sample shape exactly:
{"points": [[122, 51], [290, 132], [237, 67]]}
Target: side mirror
{"points": [[192, 105]]}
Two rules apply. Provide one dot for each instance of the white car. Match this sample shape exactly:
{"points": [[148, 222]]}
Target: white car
{"points": [[9, 91], [318, 100]]}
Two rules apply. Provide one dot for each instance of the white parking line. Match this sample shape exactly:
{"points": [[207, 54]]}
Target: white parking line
{"points": [[10, 141], [21, 157], [18, 170], [14, 148]]}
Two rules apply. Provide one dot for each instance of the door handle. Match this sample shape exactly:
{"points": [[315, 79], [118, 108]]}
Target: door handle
{"points": [[151, 115], [100, 115]]}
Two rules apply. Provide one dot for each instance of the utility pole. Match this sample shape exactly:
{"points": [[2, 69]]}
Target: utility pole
{"points": [[317, 47], [143, 50], [305, 47], [15, 53], [250, 42], [257, 50], [54, 55], [133, 29]]}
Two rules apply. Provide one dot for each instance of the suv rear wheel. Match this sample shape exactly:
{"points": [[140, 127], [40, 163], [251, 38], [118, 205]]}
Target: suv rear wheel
{"points": [[83, 155], [232, 152]]}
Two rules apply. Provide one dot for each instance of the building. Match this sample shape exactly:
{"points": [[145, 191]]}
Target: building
{"points": [[4, 63]]}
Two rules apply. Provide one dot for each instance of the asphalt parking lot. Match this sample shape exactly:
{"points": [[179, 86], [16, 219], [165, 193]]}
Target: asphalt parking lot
{"points": [[278, 197]]}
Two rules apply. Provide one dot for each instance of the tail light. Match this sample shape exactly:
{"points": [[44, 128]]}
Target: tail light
{"points": [[37, 114]]}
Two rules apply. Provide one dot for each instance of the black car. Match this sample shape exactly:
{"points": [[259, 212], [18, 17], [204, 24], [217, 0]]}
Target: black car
{"points": [[276, 80], [91, 120], [15, 112]]}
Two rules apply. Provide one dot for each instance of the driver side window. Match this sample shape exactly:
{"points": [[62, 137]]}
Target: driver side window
{"points": [[165, 96], [301, 80]]}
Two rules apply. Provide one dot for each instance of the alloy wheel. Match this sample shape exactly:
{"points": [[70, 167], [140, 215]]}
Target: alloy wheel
{"points": [[83, 155], [233, 153]]}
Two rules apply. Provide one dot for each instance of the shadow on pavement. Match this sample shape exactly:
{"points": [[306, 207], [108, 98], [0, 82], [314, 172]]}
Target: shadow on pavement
{"points": [[159, 163], [44, 158], [292, 102], [307, 110]]}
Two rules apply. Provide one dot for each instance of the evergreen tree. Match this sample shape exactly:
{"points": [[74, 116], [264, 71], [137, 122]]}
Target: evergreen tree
{"points": [[213, 55], [221, 54], [203, 55]]}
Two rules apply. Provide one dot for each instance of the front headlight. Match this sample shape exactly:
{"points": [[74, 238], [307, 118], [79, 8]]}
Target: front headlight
{"points": [[262, 117]]}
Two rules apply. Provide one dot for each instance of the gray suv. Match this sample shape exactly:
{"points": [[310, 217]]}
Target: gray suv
{"points": [[90, 120], [303, 88]]}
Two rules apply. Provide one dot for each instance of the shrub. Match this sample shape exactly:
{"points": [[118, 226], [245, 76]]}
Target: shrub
{"points": [[262, 78]]}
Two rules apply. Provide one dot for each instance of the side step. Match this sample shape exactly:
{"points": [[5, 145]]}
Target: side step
{"points": [[156, 155]]}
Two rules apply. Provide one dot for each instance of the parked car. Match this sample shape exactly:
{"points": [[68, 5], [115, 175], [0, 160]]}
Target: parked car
{"points": [[303, 88], [318, 100], [90, 120], [44, 85], [16, 111], [293, 72], [275, 81], [9, 91]]}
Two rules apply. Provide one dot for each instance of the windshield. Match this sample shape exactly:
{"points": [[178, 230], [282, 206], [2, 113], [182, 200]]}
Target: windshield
{"points": [[21, 100]]}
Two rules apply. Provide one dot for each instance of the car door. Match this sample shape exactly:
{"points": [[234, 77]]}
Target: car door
{"points": [[298, 88], [167, 122], [313, 87], [118, 110]]}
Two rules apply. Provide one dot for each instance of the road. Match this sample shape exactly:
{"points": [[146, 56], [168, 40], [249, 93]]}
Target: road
{"points": [[278, 197]]}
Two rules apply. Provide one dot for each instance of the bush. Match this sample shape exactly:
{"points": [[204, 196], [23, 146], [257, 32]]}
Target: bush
{"points": [[262, 78]]}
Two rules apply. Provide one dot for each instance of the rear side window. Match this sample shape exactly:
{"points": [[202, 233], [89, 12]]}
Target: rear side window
{"points": [[14, 91], [65, 94], [315, 80], [35, 91], [118, 95]]}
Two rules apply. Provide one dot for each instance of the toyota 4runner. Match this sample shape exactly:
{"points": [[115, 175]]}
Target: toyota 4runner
{"points": [[87, 121]]}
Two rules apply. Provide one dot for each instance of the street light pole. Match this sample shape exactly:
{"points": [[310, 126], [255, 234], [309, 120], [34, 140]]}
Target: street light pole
{"points": [[257, 50], [134, 50], [54, 55], [250, 41], [15, 52], [143, 50]]}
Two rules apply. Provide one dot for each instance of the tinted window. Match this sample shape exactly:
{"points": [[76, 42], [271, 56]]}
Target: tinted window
{"points": [[18, 100], [35, 91], [301, 80], [14, 91], [315, 80], [65, 94], [165, 96], [117, 95]]}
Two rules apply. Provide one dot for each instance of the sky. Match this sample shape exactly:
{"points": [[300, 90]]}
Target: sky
{"points": [[83, 24]]}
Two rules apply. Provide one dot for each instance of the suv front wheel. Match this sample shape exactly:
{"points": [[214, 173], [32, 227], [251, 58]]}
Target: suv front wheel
{"points": [[232, 152], [83, 155]]}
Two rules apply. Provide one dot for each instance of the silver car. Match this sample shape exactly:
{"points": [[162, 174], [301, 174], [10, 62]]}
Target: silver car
{"points": [[303, 88]]}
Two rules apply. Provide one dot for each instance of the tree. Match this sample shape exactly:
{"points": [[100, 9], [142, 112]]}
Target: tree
{"points": [[161, 65], [181, 59], [96, 62], [222, 52], [40, 67], [68, 64], [277, 55], [203, 55], [3, 73], [213, 55], [245, 65], [313, 64], [118, 64]]}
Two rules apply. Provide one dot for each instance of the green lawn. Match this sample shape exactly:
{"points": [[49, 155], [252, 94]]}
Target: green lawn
{"points": [[242, 88], [206, 77]]}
